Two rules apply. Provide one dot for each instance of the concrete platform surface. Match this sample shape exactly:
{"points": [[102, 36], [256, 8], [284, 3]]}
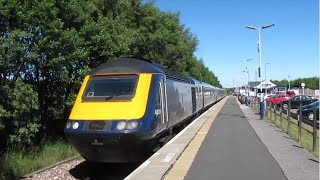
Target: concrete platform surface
{"points": [[232, 150], [295, 162]]}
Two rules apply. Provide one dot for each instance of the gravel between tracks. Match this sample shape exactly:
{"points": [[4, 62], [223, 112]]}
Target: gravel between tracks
{"points": [[60, 171]]}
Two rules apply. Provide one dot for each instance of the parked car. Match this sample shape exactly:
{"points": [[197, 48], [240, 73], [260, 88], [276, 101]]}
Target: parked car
{"points": [[277, 98], [311, 116], [280, 92], [296, 100], [290, 93], [307, 110], [268, 96]]}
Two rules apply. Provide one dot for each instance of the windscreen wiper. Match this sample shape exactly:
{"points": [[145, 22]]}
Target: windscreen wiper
{"points": [[117, 95]]}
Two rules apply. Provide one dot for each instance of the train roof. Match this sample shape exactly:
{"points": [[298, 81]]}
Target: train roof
{"points": [[195, 81], [210, 86], [133, 65], [207, 85]]}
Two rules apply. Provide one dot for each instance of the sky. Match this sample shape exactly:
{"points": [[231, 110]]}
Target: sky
{"points": [[291, 46]]}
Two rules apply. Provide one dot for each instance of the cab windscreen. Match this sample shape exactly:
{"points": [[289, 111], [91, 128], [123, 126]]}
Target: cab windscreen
{"points": [[115, 87]]}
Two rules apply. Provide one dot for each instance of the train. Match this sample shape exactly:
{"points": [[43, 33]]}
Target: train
{"points": [[126, 105]]}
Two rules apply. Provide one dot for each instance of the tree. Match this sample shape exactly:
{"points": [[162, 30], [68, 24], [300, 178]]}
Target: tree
{"points": [[311, 82], [25, 120]]}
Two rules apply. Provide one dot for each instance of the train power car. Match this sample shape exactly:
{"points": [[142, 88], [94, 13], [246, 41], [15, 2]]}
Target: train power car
{"points": [[125, 105]]}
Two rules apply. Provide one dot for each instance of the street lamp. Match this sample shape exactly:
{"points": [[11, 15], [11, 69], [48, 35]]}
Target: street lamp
{"points": [[289, 81], [246, 81], [247, 76], [246, 60], [259, 50], [247, 88]]}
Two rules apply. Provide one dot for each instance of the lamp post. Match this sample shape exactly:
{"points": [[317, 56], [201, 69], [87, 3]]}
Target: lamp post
{"points": [[246, 71], [289, 81], [259, 50]]}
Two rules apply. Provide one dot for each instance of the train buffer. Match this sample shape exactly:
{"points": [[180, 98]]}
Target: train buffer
{"points": [[230, 143]]}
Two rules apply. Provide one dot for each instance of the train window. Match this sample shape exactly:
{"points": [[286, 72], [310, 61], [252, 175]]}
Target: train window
{"points": [[119, 87]]}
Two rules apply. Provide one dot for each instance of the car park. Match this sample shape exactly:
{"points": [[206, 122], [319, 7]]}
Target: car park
{"points": [[296, 100]]}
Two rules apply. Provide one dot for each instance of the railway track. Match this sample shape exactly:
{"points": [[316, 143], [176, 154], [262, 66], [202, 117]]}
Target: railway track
{"points": [[81, 169]]}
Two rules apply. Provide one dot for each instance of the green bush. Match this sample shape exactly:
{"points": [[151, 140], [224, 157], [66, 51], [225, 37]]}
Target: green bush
{"points": [[25, 122]]}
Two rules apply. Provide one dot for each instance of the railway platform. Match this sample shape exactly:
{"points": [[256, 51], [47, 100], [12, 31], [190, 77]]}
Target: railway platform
{"points": [[229, 141]]}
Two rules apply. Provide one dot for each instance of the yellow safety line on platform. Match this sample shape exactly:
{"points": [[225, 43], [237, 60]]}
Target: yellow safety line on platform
{"points": [[182, 165]]}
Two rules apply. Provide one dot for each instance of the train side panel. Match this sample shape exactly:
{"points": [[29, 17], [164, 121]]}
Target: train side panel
{"points": [[179, 99], [208, 96]]}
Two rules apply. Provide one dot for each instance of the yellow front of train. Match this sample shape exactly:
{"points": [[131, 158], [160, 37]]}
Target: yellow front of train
{"points": [[112, 96], [110, 119]]}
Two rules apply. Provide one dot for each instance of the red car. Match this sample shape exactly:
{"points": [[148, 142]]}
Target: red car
{"points": [[290, 93], [277, 98]]}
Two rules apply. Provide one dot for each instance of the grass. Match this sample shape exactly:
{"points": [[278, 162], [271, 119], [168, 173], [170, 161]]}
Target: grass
{"points": [[306, 137], [16, 164]]}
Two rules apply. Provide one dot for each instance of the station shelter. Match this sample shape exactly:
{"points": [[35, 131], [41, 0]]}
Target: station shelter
{"points": [[267, 87]]}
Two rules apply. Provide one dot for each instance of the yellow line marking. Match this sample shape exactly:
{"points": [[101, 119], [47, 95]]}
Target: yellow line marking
{"points": [[182, 165]]}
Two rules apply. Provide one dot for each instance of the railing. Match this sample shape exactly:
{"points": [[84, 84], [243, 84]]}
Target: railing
{"points": [[301, 121], [287, 120]]}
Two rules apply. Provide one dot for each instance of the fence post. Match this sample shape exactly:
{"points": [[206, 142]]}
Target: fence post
{"points": [[288, 117], [281, 114], [300, 122], [270, 107], [266, 111], [314, 129], [275, 114], [270, 112]]}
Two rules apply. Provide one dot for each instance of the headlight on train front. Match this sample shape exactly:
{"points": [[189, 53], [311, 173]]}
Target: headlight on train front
{"points": [[132, 125], [121, 125], [75, 125], [68, 125]]}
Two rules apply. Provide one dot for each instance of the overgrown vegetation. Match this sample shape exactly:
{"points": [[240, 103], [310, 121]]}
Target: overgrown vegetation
{"points": [[16, 164]]}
